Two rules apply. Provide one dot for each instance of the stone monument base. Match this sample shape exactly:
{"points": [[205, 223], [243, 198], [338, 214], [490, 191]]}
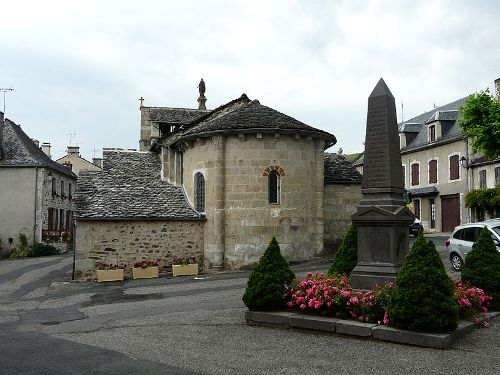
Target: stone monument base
{"points": [[366, 276]]}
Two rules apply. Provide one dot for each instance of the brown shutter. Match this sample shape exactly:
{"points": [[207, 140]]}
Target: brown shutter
{"points": [[454, 172], [415, 174], [433, 171]]}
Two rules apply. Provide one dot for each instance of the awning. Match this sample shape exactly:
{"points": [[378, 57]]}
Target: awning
{"points": [[425, 191]]}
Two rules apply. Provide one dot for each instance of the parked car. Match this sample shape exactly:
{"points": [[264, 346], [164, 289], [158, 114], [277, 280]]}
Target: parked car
{"points": [[416, 227], [464, 236]]}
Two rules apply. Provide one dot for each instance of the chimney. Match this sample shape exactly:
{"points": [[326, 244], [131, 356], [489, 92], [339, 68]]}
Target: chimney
{"points": [[1, 134], [97, 161], [46, 149], [497, 89], [73, 150]]}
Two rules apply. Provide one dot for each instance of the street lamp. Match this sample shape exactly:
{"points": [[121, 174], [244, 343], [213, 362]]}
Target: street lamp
{"points": [[463, 162]]}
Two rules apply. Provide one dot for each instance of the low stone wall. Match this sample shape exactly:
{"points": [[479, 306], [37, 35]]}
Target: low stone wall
{"points": [[340, 202], [129, 241]]}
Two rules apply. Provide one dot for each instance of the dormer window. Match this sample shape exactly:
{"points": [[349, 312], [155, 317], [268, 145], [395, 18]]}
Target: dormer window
{"points": [[432, 133]]}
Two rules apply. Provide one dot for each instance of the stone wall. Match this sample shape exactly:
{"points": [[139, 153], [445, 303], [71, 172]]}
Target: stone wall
{"points": [[130, 241], [340, 202], [240, 221]]}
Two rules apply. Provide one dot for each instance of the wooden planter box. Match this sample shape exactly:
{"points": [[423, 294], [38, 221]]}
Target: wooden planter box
{"points": [[184, 269], [144, 273], [110, 275]]}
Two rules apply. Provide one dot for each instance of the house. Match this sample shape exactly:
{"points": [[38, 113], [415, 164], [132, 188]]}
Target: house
{"points": [[439, 167], [36, 193], [217, 185], [76, 163]]}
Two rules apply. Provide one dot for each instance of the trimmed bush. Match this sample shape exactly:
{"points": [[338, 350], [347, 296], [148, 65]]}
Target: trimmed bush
{"points": [[40, 250], [482, 267], [424, 295], [346, 257], [268, 281]]}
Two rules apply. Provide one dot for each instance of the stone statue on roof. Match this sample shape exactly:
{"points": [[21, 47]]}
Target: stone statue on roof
{"points": [[201, 87]]}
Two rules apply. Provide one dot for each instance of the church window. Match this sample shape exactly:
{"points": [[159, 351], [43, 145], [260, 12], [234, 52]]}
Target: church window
{"points": [[199, 192], [274, 187]]}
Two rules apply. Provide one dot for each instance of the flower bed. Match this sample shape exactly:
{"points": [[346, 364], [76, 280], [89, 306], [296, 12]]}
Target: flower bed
{"points": [[334, 296]]}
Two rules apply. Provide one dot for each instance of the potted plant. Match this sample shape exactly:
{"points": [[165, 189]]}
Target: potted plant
{"points": [[145, 269], [184, 266], [110, 272]]}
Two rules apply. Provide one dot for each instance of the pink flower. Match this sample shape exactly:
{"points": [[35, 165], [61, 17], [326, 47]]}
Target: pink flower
{"points": [[303, 306], [290, 304], [386, 318]]}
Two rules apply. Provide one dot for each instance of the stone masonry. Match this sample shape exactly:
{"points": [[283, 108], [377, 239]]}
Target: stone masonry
{"points": [[119, 242]]}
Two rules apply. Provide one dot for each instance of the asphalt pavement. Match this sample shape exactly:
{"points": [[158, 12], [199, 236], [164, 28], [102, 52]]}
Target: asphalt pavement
{"points": [[188, 325]]}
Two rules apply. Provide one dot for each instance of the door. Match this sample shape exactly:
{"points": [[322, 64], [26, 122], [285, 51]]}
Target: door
{"points": [[450, 212]]}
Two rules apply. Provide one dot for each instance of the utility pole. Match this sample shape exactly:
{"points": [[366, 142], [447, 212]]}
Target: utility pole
{"points": [[5, 92]]}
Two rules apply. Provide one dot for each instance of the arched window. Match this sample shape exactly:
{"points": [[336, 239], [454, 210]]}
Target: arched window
{"points": [[274, 187], [199, 192]]}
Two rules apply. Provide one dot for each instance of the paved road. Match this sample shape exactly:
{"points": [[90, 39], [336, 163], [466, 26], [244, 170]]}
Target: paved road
{"points": [[187, 326]]}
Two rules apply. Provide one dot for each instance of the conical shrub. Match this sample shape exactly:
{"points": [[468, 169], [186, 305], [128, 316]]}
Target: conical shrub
{"points": [[424, 295], [482, 267], [266, 284], [346, 257]]}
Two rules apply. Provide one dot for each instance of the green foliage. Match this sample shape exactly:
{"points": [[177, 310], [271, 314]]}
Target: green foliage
{"points": [[41, 249], [268, 280], [481, 121], [346, 257], [482, 267], [424, 295], [22, 249], [486, 199]]}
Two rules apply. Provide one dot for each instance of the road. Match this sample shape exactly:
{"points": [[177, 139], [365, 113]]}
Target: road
{"points": [[187, 326]]}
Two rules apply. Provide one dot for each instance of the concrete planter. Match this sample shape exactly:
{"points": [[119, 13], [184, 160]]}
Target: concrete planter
{"points": [[145, 273], [110, 275], [184, 269]]}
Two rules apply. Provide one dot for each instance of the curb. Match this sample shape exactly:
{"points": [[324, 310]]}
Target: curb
{"points": [[287, 320]]}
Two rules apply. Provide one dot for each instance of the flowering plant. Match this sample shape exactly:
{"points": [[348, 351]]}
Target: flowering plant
{"points": [[145, 264], [108, 267], [184, 260], [472, 301], [333, 295]]}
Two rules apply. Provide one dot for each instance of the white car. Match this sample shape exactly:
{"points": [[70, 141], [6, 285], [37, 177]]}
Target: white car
{"points": [[464, 236]]}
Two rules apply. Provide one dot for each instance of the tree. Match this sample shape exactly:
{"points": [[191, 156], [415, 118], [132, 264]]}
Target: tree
{"points": [[424, 295], [268, 280], [482, 267], [481, 121], [346, 257]]}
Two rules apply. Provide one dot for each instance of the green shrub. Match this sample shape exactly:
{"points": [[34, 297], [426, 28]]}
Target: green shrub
{"points": [[346, 257], [40, 250], [482, 267], [268, 280], [22, 249], [424, 295]]}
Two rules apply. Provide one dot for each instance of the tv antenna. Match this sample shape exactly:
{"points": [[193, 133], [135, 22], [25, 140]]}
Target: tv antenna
{"points": [[5, 92], [71, 136]]}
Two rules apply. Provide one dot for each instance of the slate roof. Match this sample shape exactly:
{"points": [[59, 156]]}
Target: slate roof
{"points": [[447, 113], [21, 151], [338, 170], [423, 191], [175, 115], [243, 114], [130, 187]]}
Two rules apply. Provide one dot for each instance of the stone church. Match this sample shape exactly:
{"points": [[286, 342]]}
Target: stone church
{"points": [[215, 184]]}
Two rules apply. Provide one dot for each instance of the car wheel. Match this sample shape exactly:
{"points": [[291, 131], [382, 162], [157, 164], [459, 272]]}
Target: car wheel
{"points": [[456, 262]]}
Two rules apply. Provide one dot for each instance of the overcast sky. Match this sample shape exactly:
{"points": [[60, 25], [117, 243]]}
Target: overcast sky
{"points": [[79, 67]]}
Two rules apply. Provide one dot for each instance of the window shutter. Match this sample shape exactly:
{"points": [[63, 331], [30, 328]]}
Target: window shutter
{"points": [[415, 174], [433, 171]]}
